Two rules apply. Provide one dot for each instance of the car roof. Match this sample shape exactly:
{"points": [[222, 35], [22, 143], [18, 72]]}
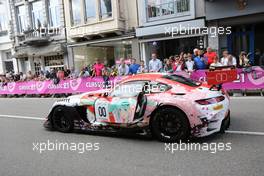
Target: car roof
{"points": [[143, 76]]}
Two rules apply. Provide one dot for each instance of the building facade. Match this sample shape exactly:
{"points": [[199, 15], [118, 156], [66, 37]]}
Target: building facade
{"points": [[7, 63], [103, 29], [38, 34], [168, 27], [246, 20]]}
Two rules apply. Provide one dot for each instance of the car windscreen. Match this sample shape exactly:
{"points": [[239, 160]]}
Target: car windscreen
{"points": [[182, 80]]}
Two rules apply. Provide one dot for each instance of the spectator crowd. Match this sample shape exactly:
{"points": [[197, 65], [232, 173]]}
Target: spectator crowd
{"points": [[189, 62]]}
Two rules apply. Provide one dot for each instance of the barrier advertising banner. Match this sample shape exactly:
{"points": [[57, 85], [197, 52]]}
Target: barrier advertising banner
{"points": [[248, 79]]}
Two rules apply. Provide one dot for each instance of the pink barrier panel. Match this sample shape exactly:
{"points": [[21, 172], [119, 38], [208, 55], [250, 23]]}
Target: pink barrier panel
{"points": [[252, 79], [47, 87], [249, 79]]}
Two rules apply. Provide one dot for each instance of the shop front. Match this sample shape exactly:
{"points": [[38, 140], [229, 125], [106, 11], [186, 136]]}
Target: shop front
{"points": [[107, 51], [37, 59], [246, 19], [246, 36], [171, 39], [165, 47]]}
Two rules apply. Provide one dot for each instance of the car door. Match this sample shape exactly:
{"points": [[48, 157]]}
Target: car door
{"points": [[122, 104]]}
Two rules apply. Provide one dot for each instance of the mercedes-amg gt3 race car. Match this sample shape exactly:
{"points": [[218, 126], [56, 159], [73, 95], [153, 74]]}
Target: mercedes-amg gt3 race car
{"points": [[170, 107]]}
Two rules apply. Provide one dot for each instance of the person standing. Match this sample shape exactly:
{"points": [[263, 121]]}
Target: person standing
{"points": [[123, 69], [215, 63], [143, 68], [133, 68], [189, 63], [200, 61], [243, 59], [210, 55], [155, 64], [168, 68], [97, 68], [225, 61]]}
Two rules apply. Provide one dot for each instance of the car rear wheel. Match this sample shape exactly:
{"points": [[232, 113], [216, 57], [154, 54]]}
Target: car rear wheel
{"points": [[62, 120], [225, 123], [170, 125]]}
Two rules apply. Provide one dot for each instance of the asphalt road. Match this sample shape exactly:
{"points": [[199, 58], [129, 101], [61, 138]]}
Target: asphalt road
{"points": [[127, 155]]}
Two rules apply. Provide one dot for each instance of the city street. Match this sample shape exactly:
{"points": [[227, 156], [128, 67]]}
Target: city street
{"points": [[21, 125]]}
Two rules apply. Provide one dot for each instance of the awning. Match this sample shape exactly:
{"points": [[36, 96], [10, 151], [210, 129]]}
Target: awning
{"points": [[101, 41], [40, 51]]}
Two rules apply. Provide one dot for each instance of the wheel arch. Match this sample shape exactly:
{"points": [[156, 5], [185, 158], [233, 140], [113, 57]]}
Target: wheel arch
{"points": [[64, 106], [173, 107]]}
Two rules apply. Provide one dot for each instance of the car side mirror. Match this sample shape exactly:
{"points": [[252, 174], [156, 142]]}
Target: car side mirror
{"points": [[106, 94]]}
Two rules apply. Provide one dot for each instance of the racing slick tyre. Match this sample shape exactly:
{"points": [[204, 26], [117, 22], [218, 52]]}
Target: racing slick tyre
{"points": [[225, 123], [62, 120], [170, 125]]}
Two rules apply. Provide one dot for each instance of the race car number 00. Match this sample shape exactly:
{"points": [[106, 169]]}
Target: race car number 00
{"points": [[102, 110]]}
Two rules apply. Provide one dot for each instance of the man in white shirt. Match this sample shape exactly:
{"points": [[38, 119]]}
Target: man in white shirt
{"points": [[123, 69], [155, 64], [225, 59]]}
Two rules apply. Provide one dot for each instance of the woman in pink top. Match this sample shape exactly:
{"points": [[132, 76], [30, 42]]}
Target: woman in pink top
{"points": [[97, 68]]}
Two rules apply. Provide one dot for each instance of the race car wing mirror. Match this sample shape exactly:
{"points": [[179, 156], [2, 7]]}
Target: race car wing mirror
{"points": [[106, 94]]}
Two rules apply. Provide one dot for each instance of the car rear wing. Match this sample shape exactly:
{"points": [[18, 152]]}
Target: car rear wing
{"points": [[217, 76]]}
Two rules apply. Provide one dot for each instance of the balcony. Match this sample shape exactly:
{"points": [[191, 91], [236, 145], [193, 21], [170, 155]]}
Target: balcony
{"points": [[38, 37], [101, 25]]}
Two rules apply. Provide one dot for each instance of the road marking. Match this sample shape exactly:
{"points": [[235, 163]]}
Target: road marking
{"points": [[21, 117], [247, 98], [246, 132], [41, 119]]}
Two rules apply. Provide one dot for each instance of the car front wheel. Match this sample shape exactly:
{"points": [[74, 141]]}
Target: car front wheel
{"points": [[62, 120], [170, 125]]}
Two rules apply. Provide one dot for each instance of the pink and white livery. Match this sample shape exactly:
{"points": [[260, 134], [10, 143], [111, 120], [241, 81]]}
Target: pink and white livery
{"points": [[170, 107]]}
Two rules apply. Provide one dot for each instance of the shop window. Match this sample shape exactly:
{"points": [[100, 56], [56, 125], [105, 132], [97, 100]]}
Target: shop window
{"points": [[37, 67], [75, 12], [105, 8], [9, 66], [86, 56], [54, 13], [53, 61]]}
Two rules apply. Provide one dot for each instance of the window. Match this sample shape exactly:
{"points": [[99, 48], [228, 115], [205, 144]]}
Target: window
{"points": [[76, 12], [22, 20], [90, 9], [54, 13], [53, 60], [158, 8], [9, 66], [37, 14], [3, 20], [105, 8]]}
